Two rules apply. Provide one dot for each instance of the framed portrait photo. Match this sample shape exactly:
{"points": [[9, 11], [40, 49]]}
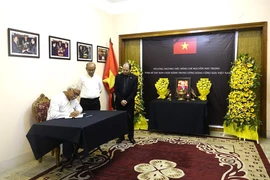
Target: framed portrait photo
{"points": [[84, 52], [59, 48], [183, 83], [102, 53], [23, 43]]}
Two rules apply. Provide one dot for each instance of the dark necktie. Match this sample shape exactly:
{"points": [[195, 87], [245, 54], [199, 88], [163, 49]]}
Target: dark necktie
{"points": [[125, 84]]}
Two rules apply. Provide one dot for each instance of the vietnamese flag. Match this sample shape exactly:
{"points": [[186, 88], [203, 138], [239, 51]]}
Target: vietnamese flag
{"points": [[185, 46], [110, 71]]}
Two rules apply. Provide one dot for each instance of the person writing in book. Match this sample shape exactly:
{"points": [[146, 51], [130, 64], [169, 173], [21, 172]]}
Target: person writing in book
{"points": [[91, 87], [65, 104], [125, 88]]}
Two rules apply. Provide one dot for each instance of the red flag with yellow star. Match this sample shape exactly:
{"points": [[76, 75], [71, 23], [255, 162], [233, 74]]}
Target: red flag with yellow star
{"points": [[185, 46], [110, 71]]}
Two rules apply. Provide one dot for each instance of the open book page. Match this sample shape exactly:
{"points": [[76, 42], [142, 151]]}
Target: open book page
{"points": [[79, 116]]}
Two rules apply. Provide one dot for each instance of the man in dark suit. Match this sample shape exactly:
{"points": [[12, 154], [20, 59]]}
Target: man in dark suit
{"points": [[125, 88]]}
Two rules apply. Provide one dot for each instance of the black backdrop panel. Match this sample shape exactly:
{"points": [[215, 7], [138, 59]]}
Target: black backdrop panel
{"points": [[164, 57]]}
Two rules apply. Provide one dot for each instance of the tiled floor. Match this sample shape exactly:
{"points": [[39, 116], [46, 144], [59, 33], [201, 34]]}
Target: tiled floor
{"points": [[33, 168]]}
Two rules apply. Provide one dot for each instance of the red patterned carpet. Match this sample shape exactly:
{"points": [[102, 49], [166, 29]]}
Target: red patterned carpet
{"points": [[165, 157]]}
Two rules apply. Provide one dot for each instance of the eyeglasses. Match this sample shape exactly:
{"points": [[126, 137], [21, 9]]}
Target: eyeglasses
{"points": [[75, 93], [90, 70]]}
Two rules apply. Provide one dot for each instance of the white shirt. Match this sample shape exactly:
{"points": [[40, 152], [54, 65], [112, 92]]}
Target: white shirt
{"points": [[61, 107], [91, 87]]}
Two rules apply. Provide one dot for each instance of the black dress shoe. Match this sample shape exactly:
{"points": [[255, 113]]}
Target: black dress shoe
{"points": [[65, 162], [132, 140], [119, 140], [64, 159]]}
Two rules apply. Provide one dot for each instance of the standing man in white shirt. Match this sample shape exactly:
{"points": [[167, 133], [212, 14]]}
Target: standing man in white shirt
{"points": [[91, 87]]}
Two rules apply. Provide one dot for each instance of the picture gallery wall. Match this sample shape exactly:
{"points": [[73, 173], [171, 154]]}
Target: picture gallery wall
{"points": [[27, 44]]}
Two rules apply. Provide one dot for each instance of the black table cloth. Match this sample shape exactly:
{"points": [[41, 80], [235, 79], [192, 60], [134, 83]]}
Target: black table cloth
{"points": [[179, 116], [88, 132]]}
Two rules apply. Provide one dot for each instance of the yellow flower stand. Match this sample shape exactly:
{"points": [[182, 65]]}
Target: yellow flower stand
{"points": [[245, 134], [141, 124]]}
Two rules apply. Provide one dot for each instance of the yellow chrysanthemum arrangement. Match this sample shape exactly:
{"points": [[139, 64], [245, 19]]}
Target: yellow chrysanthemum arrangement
{"points": [[243, 106], [203, 86], [162, 87], [139, 117]]}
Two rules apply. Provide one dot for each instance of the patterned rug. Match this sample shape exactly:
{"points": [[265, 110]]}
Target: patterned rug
{"points": [[158, 156]]}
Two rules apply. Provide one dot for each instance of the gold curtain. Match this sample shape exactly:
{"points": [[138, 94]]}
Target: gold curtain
{"points": [[131, 51], [250, 42]]}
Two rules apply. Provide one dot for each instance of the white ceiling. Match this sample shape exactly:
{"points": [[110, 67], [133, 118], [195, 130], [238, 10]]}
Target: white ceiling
{"points": [[120, 6], [114, 1]]}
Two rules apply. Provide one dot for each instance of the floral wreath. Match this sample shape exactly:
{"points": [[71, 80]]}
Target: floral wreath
{"points": [[243, 105]]}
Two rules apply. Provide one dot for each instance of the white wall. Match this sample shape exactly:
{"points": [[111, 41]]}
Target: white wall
{"points": [[22, 80], [150, 15]]}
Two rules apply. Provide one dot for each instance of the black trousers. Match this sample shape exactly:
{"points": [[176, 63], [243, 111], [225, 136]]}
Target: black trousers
{"points": [[68, 149], [130, 119], [90, 104]]}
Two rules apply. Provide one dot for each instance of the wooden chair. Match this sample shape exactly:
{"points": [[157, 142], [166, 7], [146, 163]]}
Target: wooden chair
{"points": [[40, 108]]}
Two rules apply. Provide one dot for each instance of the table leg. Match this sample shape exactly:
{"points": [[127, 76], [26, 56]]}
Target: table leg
{"points": [[75, 155]]}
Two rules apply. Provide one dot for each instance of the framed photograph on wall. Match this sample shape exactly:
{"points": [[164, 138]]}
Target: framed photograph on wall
{"points": [[102, 53], [183, 83], [23, 43], [84, 52], [59, 48]]}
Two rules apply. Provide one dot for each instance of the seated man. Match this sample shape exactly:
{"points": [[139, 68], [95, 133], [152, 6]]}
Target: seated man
{"points": [[65, 104], [62, 105]]}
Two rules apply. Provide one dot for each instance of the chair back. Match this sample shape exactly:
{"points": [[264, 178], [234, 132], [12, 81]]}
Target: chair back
{"points": [[40, 108]]}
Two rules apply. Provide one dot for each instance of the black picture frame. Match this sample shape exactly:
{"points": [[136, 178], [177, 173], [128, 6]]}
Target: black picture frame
{"points": [[84, 52], [59, 48], [102, 53], [179, 80], [23, 43]]}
